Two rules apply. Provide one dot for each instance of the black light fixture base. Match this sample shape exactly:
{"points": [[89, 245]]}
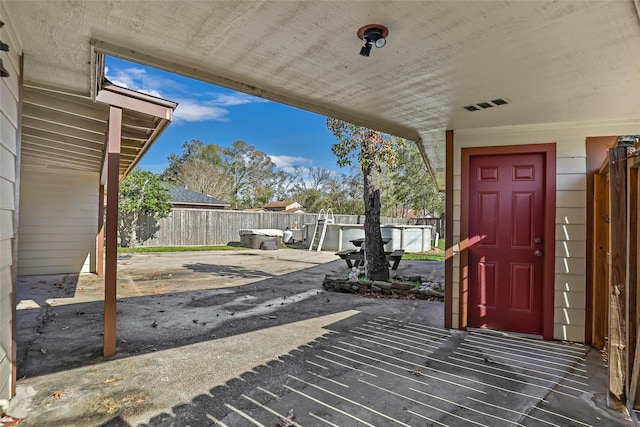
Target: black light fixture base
{"points": [[372, 34]]}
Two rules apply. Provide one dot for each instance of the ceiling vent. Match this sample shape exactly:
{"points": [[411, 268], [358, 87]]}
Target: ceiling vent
{"points": [[487, 104]]}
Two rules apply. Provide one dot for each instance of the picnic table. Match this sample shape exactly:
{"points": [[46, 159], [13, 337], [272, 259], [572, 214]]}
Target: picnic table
{"points": [[360, 241], [355, 257]]}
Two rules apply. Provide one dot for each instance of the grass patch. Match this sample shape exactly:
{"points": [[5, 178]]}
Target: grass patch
{"points": [[435, 254], [141, 249], [423, 257]]}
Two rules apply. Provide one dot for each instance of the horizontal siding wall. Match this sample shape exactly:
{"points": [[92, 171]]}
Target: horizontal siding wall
{"points": [[58, 222], [198, 227], [9, 160], [571, 227]]}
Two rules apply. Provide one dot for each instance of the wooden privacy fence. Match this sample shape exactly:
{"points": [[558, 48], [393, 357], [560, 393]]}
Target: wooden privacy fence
{"points": [[194, 227], [616, 293]]}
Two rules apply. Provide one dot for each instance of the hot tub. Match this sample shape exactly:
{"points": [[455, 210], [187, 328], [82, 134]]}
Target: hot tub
{"points": [[267, 238], [411, 238]]}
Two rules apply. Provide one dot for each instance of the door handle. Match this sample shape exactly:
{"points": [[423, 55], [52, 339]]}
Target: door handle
{"points": [[537, 253]]}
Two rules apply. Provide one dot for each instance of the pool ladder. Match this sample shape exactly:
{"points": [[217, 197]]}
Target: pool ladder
{"points": [[324, 218]]}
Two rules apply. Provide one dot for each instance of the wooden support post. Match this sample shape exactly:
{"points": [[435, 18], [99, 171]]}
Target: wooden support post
{"points": [[100, 236], [634, 281], [597, 306], [448, 240], [600, 302], [632, 269], [617, 291], [111, 273]]}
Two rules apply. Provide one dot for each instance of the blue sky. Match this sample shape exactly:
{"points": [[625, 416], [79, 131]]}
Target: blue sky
{"points": [[213, 114]]}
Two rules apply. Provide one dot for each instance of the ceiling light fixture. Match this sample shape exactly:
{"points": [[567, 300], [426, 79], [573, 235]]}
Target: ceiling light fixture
{"points": [[372, 34]]}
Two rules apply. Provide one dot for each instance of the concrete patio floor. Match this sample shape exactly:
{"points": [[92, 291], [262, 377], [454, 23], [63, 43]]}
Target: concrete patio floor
{"points": [[241, 338]]}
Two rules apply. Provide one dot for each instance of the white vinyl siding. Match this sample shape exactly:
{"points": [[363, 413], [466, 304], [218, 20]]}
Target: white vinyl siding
{"points": [[571, 228], [58, 222], [9, 96]]}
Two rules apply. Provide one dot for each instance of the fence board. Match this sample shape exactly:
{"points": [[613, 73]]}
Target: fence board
{"points": [[197, 227]]}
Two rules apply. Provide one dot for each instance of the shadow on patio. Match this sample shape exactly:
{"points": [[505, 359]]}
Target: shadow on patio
{"points": [[244, 340]]}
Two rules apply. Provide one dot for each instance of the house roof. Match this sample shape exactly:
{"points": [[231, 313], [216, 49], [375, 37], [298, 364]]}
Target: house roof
{"points": [[281, 204], [294, 210], [184, 196], [551, 61]]}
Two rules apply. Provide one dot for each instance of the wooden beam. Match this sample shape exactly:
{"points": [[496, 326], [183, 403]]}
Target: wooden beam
{"points": [[600, 269], [63, 130], [66, 143], [111, 97], [71, 105], [448, 239], [61, 150], [617, 288], [100, 236], [596, 151], [632, 266], [63, 161], [77, 122], [111, 229], [633, 284]]}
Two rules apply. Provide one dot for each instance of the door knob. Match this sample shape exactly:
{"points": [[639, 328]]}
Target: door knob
{"points": [[537, 253]]}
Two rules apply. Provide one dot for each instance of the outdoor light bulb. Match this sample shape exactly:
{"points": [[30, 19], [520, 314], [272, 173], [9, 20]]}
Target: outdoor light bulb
{"points": [[381, 42]]}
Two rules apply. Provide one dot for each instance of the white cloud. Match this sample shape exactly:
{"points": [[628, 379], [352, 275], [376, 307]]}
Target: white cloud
{"points": [[192, 111], [236, 98], [288, 162], [192, 107], [151, 92], [131, 78]]}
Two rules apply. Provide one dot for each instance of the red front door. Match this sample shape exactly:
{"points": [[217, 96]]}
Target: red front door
{"points": [[506, 219]]}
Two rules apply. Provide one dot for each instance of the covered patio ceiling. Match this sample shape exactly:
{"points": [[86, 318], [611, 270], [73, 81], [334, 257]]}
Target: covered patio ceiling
{"points": [[552, 61], [68, 132]]}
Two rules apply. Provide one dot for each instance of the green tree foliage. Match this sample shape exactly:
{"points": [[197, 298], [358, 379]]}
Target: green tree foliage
{"points": [[248, 169], [141, 193], [372, 149], [200, 168], [344, 193], [310, 186], [240, 174], [410, 186]]}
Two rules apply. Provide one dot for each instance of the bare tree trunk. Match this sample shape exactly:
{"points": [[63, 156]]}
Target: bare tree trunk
{"points": [[377, 267]]}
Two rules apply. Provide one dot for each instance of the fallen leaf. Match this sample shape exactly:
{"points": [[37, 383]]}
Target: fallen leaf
{"points": [[8, 420], [112, 380], [56, 395], [288, 420]]}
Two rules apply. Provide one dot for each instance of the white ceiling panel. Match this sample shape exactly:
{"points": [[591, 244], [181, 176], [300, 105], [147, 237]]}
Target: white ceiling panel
{"points": [[554, 61]]}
